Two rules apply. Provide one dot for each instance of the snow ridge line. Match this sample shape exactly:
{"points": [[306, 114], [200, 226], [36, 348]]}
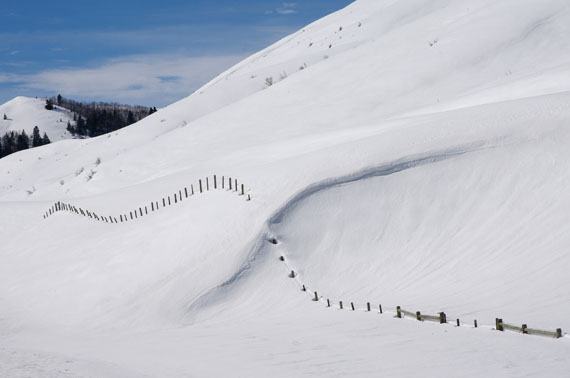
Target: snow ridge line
{"points": [[259, 252], [203, 186], [258, 245]]}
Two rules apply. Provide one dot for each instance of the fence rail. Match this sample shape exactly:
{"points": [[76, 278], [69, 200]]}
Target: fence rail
{"points": [[177, 197], [501, 326], [441, 318]]}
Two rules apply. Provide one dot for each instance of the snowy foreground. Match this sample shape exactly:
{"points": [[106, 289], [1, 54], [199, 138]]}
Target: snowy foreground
{"points": [[419, 158]]}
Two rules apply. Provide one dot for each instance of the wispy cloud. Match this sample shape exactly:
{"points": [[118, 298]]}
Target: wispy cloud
{"points": [[148, 80], [284, 9], [15, 52]]}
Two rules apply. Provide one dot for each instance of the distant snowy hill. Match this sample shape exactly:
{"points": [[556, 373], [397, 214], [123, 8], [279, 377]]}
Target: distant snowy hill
{"points": [[25, 113], [406, 153]]}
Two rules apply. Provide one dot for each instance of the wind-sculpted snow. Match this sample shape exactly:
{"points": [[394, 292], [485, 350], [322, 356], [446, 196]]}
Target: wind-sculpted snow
{"points": [[261, 244], [408, 153]]}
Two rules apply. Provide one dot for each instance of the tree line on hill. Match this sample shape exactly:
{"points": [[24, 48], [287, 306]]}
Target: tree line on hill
{"points": [[14, 141], [98, 118], [89, 120]]}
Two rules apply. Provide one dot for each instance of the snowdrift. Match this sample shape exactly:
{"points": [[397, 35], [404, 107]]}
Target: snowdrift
{"points": [[408, 153]]}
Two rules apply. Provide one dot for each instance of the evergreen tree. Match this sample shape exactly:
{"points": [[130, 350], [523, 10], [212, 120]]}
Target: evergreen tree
{"points": [[5, 117], [8, 144], [80, 128], [45, 139], [36, 137], [70, 128], [22, 141], [130, 118], [59, 98], [49, 104]]}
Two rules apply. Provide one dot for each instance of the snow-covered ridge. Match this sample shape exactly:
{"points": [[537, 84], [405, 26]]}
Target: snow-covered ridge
{"points": [[24, 113], [420, 159]]}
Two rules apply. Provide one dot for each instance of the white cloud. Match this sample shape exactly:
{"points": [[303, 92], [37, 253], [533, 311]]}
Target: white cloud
{"points": [[285, 9], [147, 80], [7, 78]]}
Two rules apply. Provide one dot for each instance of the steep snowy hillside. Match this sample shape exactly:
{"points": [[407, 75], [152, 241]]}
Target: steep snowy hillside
{"points": [[407, 153], [25, 113]]}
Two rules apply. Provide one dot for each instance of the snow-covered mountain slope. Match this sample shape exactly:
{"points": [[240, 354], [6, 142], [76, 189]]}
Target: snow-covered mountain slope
{"points": [[24, 113], [418, 159]]}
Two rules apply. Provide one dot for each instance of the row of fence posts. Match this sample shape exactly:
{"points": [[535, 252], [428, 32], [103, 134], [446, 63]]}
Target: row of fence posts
{"points": [[203, 186], [441, 317]]}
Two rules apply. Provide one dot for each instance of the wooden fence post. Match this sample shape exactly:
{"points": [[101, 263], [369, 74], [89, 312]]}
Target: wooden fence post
{"points": [[230, 180], [475, 323], [368, 306], [192, 187], [442, 318], [180, 195], [186, 192], [523, 328], [242, 190], [163, 202], [215, 182], [304, 288], [200, 182], [236, 186], [398, 313], [458, 324], [316, 297], [131, 215], [328, 303], [340, 303], [380, 307], [418, 316], [175, 198], [141, 211], [207, 184], [248, 197], [558, 333], [352, 305], [499, 324], [292, 274], [168, 200], [281, 258], [223, 179]]}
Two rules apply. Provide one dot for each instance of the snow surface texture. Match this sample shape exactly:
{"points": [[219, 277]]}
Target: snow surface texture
{"points": [[419, 158], [25, 113]]}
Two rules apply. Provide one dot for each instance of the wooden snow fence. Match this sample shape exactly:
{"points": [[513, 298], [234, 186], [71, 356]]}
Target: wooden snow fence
{"points": [[169, 200], [502, 326], [441, 318]]}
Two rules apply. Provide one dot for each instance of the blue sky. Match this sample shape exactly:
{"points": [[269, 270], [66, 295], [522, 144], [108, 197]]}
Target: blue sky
{"points": [[137, 52]]}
